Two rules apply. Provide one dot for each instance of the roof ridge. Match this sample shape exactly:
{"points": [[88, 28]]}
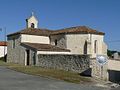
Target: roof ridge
{"points": [[47, 32], [69, 28]]}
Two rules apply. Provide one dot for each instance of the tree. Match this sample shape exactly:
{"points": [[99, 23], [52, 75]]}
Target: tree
{"points": [[111, 52]]}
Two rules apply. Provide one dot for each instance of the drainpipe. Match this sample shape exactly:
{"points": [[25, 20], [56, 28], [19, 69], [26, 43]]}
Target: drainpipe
{"points": [[90, 43]]}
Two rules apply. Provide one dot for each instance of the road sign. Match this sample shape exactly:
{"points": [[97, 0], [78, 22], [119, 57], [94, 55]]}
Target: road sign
{"points": [[101, 59]]}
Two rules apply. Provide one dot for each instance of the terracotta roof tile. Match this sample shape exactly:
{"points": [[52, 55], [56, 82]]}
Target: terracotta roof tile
{"points": [[78, 29], [2, 43], [33, 31], [46, 32], [45, 47]]}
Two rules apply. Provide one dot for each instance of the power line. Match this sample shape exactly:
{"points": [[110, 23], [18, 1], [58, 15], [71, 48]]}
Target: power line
{"points": [[113, 41]]}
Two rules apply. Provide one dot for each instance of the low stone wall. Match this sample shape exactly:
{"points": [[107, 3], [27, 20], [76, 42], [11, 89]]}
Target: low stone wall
{"points": [[77, 63]]}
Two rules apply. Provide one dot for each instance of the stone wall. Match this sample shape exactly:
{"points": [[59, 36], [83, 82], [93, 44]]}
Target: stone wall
{"points": [[77, 63], [16, 54], [61, 40], [98, 71], [76, 42], [35, 39], [13, 54]]}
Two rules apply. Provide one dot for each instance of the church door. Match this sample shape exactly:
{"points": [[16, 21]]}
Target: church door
{"points": [[27, 57]]}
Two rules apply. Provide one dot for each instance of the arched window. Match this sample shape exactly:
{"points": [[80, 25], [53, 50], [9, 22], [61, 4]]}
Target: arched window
{"points": [[32, 25], [85, 47], [55, 42], [95, 46]]}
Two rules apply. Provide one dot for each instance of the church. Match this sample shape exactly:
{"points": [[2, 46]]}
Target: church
{"points": [[24, 46]]}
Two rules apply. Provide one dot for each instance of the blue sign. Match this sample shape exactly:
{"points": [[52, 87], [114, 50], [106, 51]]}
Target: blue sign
{"points": [[101, 59]]}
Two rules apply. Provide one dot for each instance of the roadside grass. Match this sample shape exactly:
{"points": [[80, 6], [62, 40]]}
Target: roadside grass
{"points": [[46, 72]]}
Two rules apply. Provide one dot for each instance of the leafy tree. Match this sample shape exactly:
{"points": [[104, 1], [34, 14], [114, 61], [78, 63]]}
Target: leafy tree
{"points": [[111, 52]]}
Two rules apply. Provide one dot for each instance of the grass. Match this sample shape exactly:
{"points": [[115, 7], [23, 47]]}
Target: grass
{"points": [[45, 72]]}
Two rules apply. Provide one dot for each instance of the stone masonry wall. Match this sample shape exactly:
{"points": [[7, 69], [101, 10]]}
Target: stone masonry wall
{"points": [[13, 53], [61, 40], [98, 71], [77, 63]]}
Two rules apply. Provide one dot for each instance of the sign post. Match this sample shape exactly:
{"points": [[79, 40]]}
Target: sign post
{"points": [[102, 60]]}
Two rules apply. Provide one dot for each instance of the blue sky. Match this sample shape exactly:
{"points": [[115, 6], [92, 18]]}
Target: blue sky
{"points": [[102, 15]]}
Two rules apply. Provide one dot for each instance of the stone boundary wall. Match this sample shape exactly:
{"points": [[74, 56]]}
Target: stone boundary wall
{"points": [[99, 72], [76, 63]]}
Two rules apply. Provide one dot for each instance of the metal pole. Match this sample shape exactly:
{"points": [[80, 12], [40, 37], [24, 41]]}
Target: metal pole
{"points": [[4, 43], [102, 72]]}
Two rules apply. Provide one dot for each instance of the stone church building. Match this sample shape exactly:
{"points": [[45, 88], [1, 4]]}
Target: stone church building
{"points": [[24, 46]]}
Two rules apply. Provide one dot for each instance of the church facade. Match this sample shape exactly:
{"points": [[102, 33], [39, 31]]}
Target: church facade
{"points": [[24, 46]]}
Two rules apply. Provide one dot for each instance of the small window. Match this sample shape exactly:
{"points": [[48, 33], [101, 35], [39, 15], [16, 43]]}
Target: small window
{"points": [[85, 47], [95, 46], [32, 25], [13, 43], [55, 42]]}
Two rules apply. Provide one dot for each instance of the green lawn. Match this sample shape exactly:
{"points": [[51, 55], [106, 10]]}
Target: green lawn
{"points": [[45, 72]]}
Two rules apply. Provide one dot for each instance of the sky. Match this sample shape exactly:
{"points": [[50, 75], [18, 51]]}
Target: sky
{"points": [[102, 15]]}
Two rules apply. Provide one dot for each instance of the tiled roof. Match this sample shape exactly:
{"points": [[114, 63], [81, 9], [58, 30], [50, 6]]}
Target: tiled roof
{"points": [[78, 29], [33, 31], [46, 32], [44, 47], [2, 43]]}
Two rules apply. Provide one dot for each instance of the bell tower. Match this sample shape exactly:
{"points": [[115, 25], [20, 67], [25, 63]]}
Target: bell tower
{"points": [[32, 21]]}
